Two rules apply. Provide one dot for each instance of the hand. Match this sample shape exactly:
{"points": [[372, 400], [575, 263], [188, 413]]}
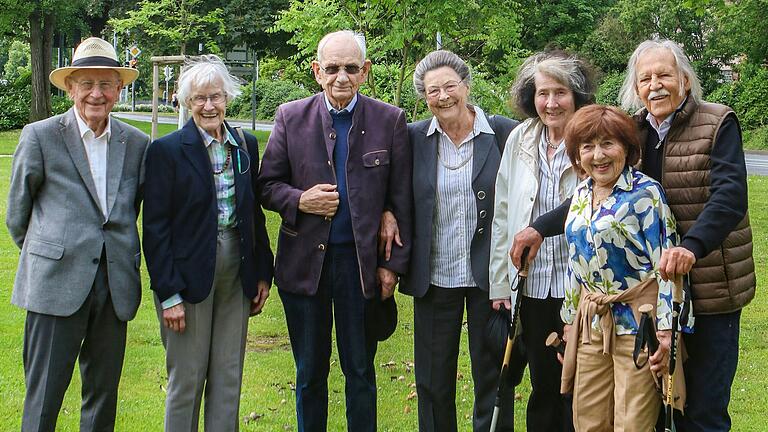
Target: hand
{"points": [[660, 359], [262, 294], [173, 318], [529, 238], [496, 304], [320, 199], [388, 232], [566, 329], [675, 261], [387, 281]]}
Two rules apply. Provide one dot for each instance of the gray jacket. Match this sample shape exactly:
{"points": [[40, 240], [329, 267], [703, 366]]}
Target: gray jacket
{"points": [[55, 219]]}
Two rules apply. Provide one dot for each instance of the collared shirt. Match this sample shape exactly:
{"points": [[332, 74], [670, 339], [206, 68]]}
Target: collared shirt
{"points": [[455, 216], [619, 245], [223, 158], [547, 275], [350, 106], [663, 129], [224, 184], [96, 151]]}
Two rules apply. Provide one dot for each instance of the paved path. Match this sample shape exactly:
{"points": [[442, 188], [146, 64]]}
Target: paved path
{"points": [[757, 162], [173, 119]]}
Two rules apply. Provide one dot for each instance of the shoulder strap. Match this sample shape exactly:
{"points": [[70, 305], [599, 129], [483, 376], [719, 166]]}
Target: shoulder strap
{"points": [[497, 131], [242, 137]]}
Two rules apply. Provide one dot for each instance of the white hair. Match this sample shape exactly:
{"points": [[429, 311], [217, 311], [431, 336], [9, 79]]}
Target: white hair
{"points": [[359, 39], [630, 100], [206, 70]]}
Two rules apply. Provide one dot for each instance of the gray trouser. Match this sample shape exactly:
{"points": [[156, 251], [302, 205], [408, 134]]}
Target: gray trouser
{"points": [[209, 355], [52, 344]]}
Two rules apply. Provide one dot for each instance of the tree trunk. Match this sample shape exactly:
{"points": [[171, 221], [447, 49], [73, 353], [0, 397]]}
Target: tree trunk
{"points": [[401, 78], [40, 42]]}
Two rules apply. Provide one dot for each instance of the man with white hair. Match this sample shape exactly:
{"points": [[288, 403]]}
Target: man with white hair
{"points": [[694, 149], [334, 162], [75, 191]]}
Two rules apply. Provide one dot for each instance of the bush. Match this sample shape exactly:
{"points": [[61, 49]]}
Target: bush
{"points": [[752, 102], [269, 95], [126, 107], [60, 104], [15, 100], [608, 90], [491, 97]]}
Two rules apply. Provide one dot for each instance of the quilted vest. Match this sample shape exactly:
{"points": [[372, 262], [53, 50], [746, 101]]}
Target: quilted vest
{"points": [[723, 281]]}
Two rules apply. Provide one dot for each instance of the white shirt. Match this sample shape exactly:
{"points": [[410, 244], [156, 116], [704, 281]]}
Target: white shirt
{"points": [[663, 129], [455, 217], [96, 151], [548, 273]]}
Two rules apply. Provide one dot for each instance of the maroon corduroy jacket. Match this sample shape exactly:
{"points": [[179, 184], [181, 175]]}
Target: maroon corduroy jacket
{"points": [[299, 155]]}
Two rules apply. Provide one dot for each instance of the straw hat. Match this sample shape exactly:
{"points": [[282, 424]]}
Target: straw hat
{"points": [[93, 53]]}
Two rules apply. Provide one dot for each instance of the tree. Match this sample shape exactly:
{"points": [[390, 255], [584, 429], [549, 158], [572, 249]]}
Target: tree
{"points": [[35, 22], [402, 31], [170, 25], [248, 22]]}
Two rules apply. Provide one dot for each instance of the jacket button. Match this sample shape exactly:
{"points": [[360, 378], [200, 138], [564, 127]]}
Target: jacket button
{"points": [[95, 261], [481, 195], [332, 135], [362, 132], [480, 230], [482, 214], [376, 162], [321, 246], [329, 163]]}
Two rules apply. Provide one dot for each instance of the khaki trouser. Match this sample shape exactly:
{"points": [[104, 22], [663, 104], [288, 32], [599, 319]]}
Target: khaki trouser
{"points": [[610, 393]]}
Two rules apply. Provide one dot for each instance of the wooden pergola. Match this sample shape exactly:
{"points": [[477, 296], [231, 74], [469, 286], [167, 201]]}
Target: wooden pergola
{"points": [[158, 61]]}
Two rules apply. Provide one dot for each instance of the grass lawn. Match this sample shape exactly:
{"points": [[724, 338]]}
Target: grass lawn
{"points": [[267, 401]]}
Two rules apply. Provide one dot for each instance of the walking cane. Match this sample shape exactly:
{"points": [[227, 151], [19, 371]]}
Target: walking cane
{"points": [[677, 300], [516, 290]]}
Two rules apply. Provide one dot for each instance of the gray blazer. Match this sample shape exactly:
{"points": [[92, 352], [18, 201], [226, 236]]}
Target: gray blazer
{"points": [[55, 219], [485, 164]]}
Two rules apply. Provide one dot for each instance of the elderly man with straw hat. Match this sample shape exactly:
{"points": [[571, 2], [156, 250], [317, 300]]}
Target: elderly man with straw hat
{"points": [[74, 197]]}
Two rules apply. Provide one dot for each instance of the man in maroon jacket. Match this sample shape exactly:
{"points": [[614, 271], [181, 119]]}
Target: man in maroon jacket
{"points": [[334, 162]]}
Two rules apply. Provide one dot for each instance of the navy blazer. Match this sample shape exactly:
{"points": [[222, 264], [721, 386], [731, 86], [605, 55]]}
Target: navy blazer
{"points": [[299, 155], [485, 164], [180, 216]]}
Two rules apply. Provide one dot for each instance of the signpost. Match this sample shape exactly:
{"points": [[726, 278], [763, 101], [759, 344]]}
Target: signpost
{"points": [[134, 51]]}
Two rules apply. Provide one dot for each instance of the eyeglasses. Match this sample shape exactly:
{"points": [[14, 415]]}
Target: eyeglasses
{"points": [[450, 87], [350, 69], [215, 99], [104, 86]]}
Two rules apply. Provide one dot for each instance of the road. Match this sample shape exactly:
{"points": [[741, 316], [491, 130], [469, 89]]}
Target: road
{"points": [[757, 162], [167, 119]]}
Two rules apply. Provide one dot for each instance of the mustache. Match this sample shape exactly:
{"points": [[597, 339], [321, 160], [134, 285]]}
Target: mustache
{"points": [[656, 93]]}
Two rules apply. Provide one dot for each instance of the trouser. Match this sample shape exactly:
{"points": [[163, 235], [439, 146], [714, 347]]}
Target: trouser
{"points": [[310, 319], [206, 360], [610, 393], [52, 344], [546, 406], [713, 354], [438, 318]]}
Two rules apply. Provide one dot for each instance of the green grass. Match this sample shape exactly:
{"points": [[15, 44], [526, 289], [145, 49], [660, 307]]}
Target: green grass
{"points": [[269, 369], [756, 139]]}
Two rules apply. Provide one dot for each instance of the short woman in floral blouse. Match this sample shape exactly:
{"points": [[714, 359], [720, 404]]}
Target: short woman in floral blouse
{"points": [[617, 226]]}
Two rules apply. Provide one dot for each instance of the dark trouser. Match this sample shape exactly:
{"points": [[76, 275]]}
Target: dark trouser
{"points": [[547, 410], [310, 319], [437, 330], [52, 344], [713, 353]]}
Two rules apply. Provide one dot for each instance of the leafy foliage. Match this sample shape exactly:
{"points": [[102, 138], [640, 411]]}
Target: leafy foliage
{"points": [[608, 90], [269, 95]]}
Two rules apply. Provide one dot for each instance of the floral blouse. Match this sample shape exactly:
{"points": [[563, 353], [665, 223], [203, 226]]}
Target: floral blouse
{"points": [[619, 245]]}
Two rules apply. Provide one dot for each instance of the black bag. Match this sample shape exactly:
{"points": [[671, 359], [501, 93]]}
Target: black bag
{"points": [[496, 335], [380, 317]]}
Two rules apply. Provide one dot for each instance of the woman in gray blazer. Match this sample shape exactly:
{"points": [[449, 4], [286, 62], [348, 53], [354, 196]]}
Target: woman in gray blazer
{"points": [[456, 155]]}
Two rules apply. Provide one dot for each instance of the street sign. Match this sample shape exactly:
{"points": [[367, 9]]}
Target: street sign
{"points": [[168, 73], [134, 50]]}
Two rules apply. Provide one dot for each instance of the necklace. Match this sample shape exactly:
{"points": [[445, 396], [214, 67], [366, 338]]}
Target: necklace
{"points": [[598, 200], [448, 166], [226, 162], [549, 143]]}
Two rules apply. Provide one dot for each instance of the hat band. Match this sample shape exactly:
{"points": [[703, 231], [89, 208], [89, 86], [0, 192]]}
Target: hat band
{"points": [[95, 61]]}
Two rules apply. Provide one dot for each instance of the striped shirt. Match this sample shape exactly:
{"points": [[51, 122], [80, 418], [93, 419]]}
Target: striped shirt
{"points": [[455, 216], [548, 273], [224, 182]]}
